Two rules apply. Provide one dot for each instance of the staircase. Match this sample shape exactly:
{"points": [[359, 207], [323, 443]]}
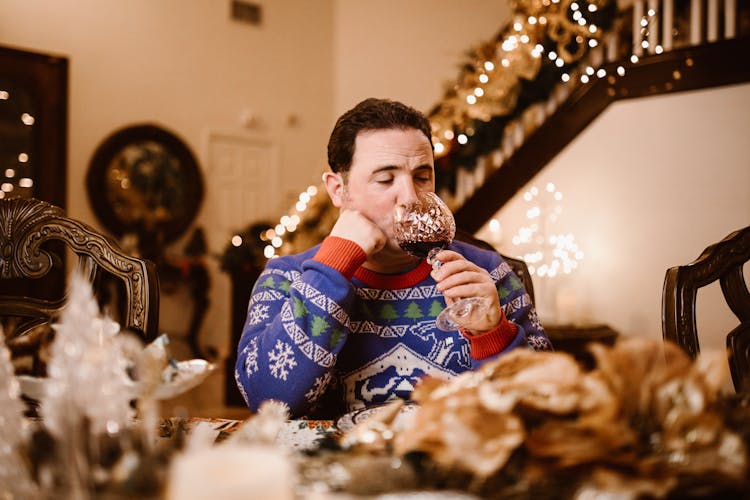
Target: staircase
{"points": [[715, 53]]}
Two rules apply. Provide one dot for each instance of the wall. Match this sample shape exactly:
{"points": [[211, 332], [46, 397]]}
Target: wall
{"points": [[647, 186], [406, 51]]}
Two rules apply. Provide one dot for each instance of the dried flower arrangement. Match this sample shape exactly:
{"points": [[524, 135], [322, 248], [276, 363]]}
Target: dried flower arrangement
{"points": [[645, 421]]}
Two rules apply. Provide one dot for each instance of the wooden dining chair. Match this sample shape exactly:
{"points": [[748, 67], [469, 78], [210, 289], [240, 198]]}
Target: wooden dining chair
{"points": [[32, 234], [723, 262]]}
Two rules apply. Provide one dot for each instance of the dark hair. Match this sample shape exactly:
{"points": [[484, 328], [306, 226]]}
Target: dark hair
{"points": [[370, 114]]}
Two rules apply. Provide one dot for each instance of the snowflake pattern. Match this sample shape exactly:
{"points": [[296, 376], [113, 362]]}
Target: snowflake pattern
{"points": [[281, 360], [538, 343], [251, 357], [258, 314], [318, 388], [534, 320]]}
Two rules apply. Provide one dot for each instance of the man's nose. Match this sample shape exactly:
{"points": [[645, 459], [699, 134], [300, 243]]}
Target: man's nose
{"points": [[407, 192]]}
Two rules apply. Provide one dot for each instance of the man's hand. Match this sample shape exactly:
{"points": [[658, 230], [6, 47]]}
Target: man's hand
{"points": [[458, 278], [354, 226]]}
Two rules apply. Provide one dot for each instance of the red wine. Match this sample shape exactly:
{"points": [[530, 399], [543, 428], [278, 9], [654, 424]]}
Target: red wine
{"points": [[422, 248]]}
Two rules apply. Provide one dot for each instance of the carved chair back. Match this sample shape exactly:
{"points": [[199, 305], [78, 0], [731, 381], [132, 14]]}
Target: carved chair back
{"points": [[723, 262], [27, 224]]}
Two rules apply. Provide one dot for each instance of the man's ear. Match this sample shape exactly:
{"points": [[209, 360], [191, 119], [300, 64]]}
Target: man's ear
{"points": [[336, 187]]}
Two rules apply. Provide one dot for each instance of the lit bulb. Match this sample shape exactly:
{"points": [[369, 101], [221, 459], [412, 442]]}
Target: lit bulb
{"points": [[237, 240], [462, 139]]}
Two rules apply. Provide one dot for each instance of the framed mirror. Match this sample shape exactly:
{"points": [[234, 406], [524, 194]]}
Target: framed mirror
{"points": [[144, 181]]}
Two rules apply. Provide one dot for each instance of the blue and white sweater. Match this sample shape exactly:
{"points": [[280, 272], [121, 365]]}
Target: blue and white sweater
{"points": [[327, 336]]}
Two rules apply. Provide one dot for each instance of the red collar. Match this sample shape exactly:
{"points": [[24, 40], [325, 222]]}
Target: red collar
{"points": [[394, 281]]}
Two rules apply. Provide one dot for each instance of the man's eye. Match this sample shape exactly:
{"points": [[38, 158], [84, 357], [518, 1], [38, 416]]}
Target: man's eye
{"points": [[424, 179], [384, 180]]}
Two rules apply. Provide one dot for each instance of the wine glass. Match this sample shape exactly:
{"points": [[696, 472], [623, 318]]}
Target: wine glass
{"points": [[423, 228]]}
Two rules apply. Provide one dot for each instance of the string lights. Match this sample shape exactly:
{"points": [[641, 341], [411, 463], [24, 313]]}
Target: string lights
{"points": [[490, 85], [287, 224], [13, 175], [546, 253]]}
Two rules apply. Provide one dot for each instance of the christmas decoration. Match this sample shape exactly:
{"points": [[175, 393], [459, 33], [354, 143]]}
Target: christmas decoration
{"points": [[503, 77], [15, 481]]}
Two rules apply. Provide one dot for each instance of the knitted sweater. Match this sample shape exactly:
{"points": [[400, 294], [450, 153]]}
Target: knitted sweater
{"points": [[327, 336]]}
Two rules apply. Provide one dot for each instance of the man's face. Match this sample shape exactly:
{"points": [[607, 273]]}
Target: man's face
{"points": [[388, 168]]}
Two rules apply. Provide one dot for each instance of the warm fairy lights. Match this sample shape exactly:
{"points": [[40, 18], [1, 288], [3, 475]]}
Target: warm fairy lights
{"points": [[15, 176], [554, 33], [287, 224], [546, 253], [490, 89]]}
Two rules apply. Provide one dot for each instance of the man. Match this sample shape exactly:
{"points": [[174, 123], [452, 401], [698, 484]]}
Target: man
{"points": [[351, 322]]}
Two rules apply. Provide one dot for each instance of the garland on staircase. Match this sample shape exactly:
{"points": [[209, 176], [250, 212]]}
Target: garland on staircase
{"points": [[504, 76]]}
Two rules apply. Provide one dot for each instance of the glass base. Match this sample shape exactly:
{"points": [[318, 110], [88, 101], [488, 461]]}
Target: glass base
{"points": [[461, 313]]}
